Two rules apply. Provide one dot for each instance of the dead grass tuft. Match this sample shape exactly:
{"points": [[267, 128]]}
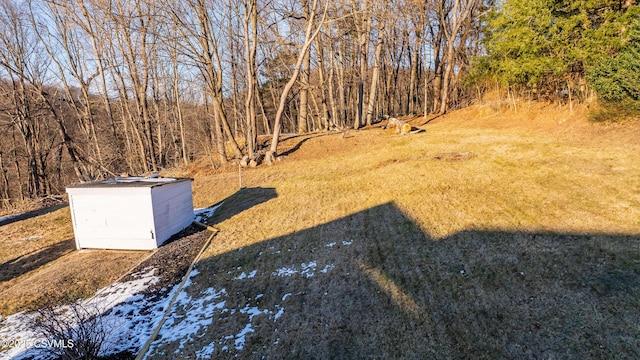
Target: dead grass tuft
{"points": [[454, 156]]}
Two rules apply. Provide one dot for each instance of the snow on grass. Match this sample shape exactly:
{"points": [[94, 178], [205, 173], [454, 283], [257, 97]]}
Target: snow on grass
{"points": [[278, 314], [128, 316], [240, 338], [344, 242], [195, 312], [206, 352], [32, 237], [327, 268], [306, 269], [204, 214], [190, 315], [245, 276]]}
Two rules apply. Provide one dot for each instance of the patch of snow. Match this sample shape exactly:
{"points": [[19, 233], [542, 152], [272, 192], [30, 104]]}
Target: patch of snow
{"points": [[32, 237], [278, 314], [206, 352], [284, 272], [327, 268], [347, 243], [285, 296], [253, 311], [240, 338], [245, 276], [331, 244], [308, 269], [128, 316], [204, 214]]}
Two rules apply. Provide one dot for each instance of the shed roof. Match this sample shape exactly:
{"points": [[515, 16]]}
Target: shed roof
{"points": [[131, 181]]}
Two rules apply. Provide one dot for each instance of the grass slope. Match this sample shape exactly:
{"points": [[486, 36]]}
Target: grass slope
{"points": [[39, 263], [489, 235]]}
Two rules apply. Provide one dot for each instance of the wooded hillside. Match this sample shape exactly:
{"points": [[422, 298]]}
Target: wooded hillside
{"points": [[96, 88]]}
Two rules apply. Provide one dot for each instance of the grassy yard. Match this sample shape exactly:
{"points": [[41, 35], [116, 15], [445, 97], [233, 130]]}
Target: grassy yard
{"points": [[39, 263], [487, 236]]}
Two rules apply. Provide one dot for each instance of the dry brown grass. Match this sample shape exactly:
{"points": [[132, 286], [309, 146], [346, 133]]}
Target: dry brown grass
{"points": [[38, 262], [530, 248]]}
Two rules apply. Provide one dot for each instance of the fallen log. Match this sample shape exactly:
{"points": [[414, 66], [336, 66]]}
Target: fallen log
{"points": [[399, 126]]}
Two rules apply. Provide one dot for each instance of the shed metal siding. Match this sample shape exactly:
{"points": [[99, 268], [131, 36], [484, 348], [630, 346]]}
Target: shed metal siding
{"points": [[172, 209]]}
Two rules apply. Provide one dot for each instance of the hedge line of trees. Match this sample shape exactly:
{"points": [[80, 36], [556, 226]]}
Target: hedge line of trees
{"points": [[576, 49], [94, 88]]}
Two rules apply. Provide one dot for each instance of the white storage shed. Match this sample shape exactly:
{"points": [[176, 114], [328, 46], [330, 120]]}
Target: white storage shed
{"points": [[129, 213]]}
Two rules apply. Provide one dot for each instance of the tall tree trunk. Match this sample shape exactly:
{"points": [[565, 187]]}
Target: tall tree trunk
{"points": [[413, 82], [460, 12], [308, 39], [250, 26], [325, 114], [303, 114], [364, 28], [375, 75], [342, 97]]}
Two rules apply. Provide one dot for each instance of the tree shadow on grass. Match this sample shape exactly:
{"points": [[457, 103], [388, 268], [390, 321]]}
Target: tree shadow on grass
{"points": [[297, 146], [28, 262], [240, 201], [372, 284], [32, 214]]}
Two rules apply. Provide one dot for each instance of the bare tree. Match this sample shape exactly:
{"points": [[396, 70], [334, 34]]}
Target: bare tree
{"points": [[200, 44], [453, 23], [376, 64], [310, 35], [26, 66], [250, 31], [303, 115]]}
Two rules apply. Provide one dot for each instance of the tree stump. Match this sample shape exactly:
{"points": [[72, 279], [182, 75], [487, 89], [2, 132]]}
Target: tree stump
{"points": [[257, 160], [245, 161]]}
